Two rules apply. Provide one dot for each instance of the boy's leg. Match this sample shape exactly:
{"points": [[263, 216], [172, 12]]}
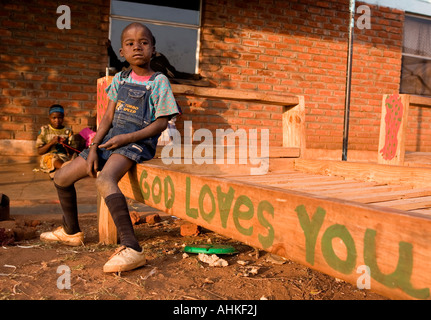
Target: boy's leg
{"points": [[107, 185], [58, 163], [64, 181]]}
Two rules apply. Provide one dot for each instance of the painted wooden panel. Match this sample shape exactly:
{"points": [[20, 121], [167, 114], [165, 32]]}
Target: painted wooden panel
{"points": [[393, 126], [334, 236], [102, 97]]}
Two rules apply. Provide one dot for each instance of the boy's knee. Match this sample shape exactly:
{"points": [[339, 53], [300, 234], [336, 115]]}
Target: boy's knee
{"points": [[100, 182], [58, 177], [104, 183]]}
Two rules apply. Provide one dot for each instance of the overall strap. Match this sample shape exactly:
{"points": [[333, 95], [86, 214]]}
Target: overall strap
{"points": [[154, 76], [125, 74]]}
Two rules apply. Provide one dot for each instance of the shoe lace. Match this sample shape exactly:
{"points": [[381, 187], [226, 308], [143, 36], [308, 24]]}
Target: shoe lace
{"points": [[117, 251]]}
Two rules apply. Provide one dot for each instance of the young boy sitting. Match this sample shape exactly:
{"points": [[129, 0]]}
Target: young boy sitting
{"points": [[140, 105], [51, 140]]}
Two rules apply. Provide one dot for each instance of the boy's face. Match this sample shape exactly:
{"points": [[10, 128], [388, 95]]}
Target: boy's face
{"points": [[137, 46], [56, 120]]}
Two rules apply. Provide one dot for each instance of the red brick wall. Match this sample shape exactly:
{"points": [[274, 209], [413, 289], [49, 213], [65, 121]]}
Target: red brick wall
{"points": [[41, 65], [215, 114], [300, 47], [273, 46], [418, 129]]}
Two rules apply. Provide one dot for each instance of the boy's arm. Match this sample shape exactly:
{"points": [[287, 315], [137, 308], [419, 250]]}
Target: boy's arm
{"points": [[46, 147], [102, 130], [151, 130], [106, 123]]}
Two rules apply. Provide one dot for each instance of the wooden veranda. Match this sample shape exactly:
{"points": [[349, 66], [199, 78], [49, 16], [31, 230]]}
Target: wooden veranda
{"points": [[349, 220]]}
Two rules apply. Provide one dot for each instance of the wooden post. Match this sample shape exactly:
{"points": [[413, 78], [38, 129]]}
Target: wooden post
{"points": [[107, 228], [393, 126], [294, 126]]}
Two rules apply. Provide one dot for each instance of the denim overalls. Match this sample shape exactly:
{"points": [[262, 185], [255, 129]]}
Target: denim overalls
{"points": [[132, 113]]}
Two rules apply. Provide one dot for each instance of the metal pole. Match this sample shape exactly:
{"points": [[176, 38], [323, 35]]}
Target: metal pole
{"points": [[348, 80]]}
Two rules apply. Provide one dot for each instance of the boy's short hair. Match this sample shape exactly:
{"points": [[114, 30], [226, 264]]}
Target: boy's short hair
{"points": [[56, 108], [136, 24]]}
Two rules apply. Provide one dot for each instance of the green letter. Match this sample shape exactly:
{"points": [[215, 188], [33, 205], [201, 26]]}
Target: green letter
{"points": [[402, 274], [169, 203], [264, 205], [191, 212], [244, 215], [206, 216], [157, 198], [339, 231], [311, 229], [146, 194], [224, 203]]}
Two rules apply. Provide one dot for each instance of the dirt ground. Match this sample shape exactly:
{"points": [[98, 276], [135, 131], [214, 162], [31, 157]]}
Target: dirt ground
{"points": [[32, 270]]}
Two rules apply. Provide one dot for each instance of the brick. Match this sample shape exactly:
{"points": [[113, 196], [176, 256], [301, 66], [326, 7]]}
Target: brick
{"points": [[136, 218], [188, 229], [153, 218]]}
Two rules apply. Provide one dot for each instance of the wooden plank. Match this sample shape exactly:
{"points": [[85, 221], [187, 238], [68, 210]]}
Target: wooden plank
{"points": [[393, 125], [420, 101], [287, 175], [309, 183], [284, 179], [187, 152], [333, 236], [417, 159], [407, 204], [387, 196], [284, 152], [338, 186], [391, 174], [360, 191], [315, 180], [293, 131], [238, 95], [422, 211], [223, 94]]}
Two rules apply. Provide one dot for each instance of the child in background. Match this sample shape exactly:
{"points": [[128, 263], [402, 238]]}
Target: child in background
{"points": [[140, 105], [49, 141]]}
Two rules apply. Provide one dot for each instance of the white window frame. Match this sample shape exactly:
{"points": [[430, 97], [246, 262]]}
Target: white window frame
{"points": [[165, 23], [403, 54]]}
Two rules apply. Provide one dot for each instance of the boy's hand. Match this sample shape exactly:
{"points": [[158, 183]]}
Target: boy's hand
{"points": [[55, 140], [115, 142], [92, 163]]}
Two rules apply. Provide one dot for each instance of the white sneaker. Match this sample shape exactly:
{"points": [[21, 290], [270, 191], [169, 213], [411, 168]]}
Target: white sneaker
{"points": [[59, 235], [125, 259]]}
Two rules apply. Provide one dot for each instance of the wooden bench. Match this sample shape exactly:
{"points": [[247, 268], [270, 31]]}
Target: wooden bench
{"points": [[293, 123], [338, 224], [340, 218], [393, 126]]}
